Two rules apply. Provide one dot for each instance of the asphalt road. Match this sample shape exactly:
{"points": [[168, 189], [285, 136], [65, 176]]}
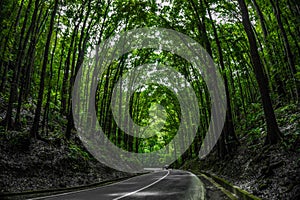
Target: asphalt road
{"points": [[166, 185]]}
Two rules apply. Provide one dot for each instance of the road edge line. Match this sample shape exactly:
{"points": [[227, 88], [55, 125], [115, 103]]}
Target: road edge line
{"points": [[136, 191], [57, 191], [202, 188]]}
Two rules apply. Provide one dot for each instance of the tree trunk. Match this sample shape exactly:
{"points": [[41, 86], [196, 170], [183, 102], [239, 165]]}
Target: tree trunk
{"points": [[50, 85], [273, 133], [230, 136], [35, 126], [8, 123], [287, 47], [3, 48], [26, 68]]}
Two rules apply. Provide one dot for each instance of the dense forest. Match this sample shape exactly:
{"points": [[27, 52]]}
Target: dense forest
{"points": [[254, 44]]}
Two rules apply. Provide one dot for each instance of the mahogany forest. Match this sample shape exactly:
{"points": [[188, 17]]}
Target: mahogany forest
{"points": [[254, 44]]}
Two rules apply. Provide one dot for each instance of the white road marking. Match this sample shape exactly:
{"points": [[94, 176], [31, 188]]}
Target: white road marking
{"points": [[131, 193], [84, 190]]}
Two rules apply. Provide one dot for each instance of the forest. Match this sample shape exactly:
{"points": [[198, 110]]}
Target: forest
{"points": [[254, 45]]}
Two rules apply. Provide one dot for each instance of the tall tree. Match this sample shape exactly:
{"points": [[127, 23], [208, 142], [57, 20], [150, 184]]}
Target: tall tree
{"points": [[273, 133], [287, 46], [228, 132], [35, 125], [17, 66]]}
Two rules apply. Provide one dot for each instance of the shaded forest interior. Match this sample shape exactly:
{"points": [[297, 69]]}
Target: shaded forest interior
{"points": [[255, 45]]}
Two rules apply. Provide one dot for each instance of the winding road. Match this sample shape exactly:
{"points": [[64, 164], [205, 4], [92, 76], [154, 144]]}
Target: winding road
{"points": [[164, 184]]}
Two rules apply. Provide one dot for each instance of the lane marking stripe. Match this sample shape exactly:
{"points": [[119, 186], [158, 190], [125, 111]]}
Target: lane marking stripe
{"points": [[131, 193], [84, 190]]}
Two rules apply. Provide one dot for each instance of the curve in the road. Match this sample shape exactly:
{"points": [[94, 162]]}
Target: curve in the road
{"points": [[167, 185], [143, 188]]}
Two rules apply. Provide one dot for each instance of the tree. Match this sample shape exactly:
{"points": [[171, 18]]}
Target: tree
{"points": [[273, 133], [36, 121]]}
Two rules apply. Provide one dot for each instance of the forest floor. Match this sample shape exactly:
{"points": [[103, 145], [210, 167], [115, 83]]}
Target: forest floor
{"points": [[35, 165], [269, 172], [27, 164]]}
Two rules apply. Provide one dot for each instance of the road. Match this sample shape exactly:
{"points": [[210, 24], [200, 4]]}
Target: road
{"points": [[165, 184]]}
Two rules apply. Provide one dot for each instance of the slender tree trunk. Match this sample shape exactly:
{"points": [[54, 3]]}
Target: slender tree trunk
{"points": [[29, 69], [75, 66], [232, 139], [26, 69], [13, 30], [59, 71], [47, 106], [287, 47], [261, 19], [286, 42], [35, 126], [273, 133], [8, 123], [65, 82]]}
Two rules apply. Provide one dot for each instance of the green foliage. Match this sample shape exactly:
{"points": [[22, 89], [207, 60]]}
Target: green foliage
{"points": [[79, 26], [288, 114], [254, 135], [76, 152]]}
